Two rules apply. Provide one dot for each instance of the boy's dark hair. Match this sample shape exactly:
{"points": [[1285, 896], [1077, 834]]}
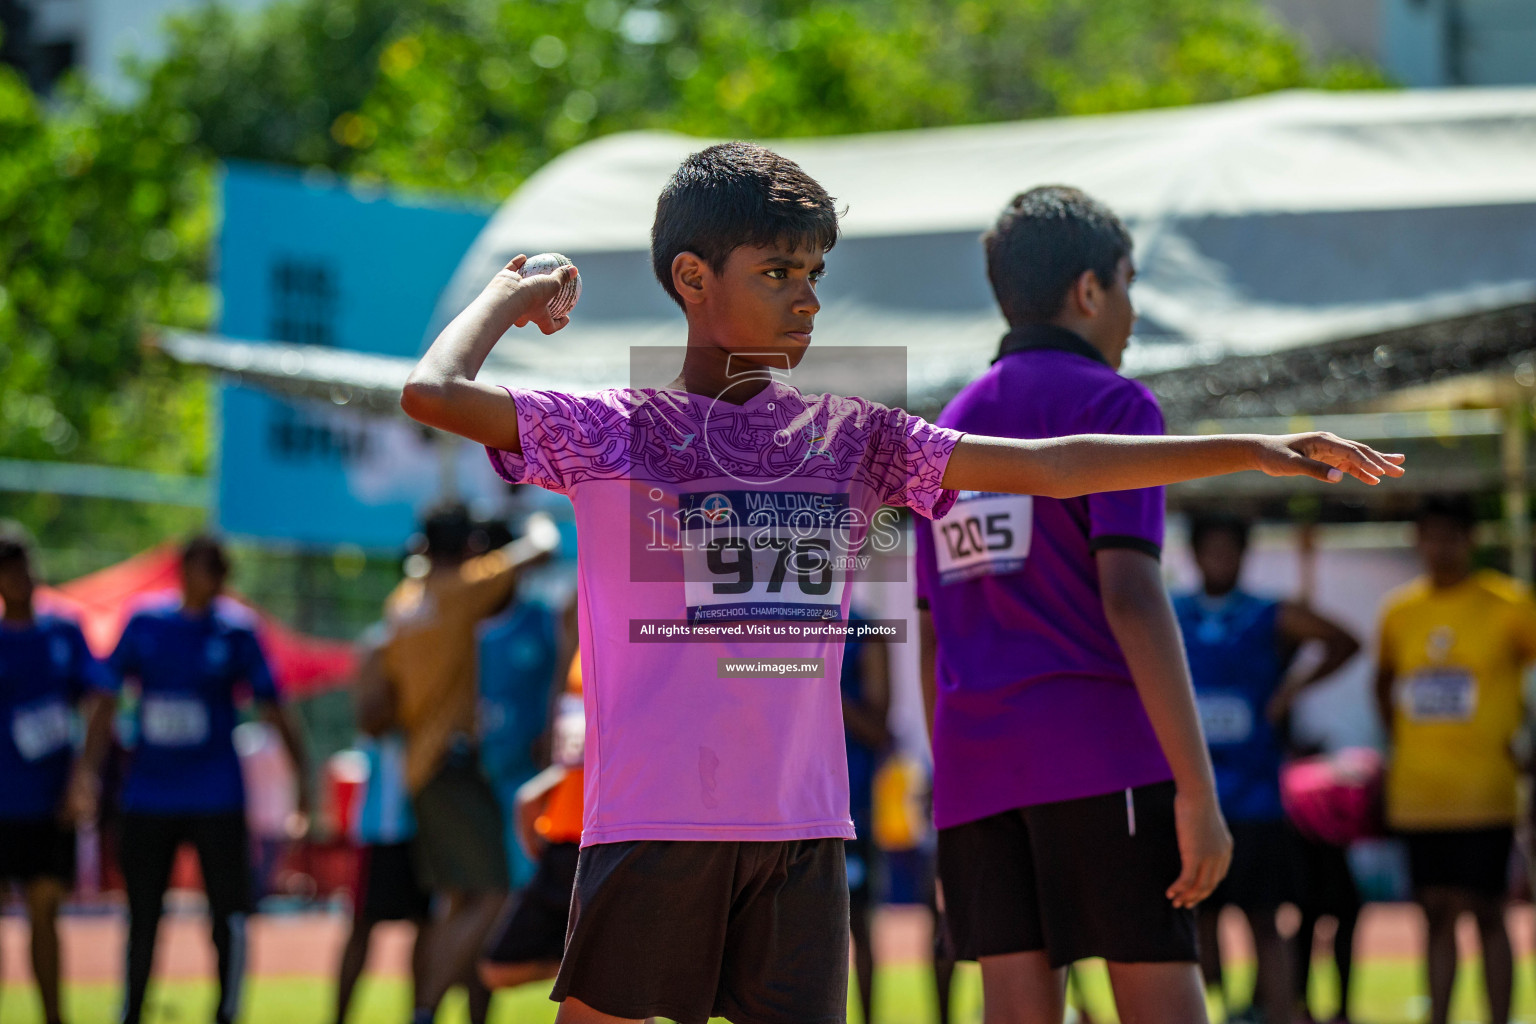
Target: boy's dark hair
{"points": [[208, 551], [15, 546], [1457, 509], [447, 529], [1042, 243], [1204, 525], [736, 194]]}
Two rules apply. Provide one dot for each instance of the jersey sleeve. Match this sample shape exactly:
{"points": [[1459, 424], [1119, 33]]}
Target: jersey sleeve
{"points": [[1129, 519], [565, 438], [255, 668], [907, 457]]}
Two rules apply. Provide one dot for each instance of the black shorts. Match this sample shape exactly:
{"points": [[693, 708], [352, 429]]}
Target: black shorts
{"points": [[1476, 859], [147, 854], [1077, 878], [756, 933], [532, 928], [1262, 872], [460, 842], [1325, 883], [387, 886], [33, 848]]}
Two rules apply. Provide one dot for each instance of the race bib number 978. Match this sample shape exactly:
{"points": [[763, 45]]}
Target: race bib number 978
{"points": [[750, 555], [983, 535]]}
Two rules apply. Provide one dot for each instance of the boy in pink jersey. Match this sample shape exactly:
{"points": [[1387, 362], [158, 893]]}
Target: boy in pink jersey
{"points": [[711, 877]]}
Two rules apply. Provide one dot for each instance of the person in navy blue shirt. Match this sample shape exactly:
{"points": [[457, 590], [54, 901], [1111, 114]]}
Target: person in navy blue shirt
{"points": [[1240, 648], [189, 662], [47, 674]]}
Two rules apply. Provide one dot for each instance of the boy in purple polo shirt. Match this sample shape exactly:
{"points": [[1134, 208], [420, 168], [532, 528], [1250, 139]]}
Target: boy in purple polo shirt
{"points": [[1073, 794], [711, 877]]}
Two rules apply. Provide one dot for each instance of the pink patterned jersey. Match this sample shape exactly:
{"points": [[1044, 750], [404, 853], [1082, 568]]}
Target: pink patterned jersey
{"points": [[714, 535]]}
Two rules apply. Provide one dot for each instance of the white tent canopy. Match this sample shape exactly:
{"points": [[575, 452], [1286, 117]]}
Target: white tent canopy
{"points": [[1263, 226]]}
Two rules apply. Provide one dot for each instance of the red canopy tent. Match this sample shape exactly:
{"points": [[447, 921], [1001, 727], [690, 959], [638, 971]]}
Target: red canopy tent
{"points": [[103, 601]]}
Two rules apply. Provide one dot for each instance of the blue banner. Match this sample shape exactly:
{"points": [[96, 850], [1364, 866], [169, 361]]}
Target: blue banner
{"points": [[316, 262]]}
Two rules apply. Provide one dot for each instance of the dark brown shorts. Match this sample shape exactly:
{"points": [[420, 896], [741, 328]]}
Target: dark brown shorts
{"points": [[756, 933]]}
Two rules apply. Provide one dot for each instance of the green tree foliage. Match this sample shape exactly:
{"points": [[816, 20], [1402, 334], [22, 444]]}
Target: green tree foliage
{"points": [[472, 97], [105, 225]]}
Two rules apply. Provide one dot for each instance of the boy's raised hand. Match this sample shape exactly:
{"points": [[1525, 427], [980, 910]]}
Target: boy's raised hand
{"points": [[528, 297], [1324, 456], [442, 391]]}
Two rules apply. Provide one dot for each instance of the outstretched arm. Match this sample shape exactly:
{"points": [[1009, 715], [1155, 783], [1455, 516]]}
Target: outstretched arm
{"points": [[442, 391], [1065, 467]]}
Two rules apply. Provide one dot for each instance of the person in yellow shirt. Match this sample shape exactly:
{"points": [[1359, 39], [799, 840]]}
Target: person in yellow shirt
{"points": [[1454, 645]]}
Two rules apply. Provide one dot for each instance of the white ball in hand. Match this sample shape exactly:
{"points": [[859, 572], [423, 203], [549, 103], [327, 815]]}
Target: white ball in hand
{"points": [[548, 263]]}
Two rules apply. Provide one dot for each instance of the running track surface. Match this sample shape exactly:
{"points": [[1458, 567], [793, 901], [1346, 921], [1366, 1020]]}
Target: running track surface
{"points": [[309, 944]]}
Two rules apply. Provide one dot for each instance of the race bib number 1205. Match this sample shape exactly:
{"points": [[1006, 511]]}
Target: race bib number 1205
{"points": [[983, 535]]}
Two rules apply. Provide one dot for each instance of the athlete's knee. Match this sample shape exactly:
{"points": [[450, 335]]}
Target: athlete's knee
{"points": [[43, 898], [1021, 988], [1489, 913], [1442, 905], [361, 934], [574, 1011], [494, 975]]}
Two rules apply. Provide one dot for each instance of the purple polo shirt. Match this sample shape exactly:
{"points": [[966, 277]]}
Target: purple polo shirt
{"points": [[1035, 703]]}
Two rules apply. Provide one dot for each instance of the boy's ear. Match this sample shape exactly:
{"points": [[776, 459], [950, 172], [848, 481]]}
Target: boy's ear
{"points": [[1086, 294], [689, 274]]}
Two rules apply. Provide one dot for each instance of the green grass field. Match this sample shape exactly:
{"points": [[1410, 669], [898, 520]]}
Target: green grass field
{"points": [[1387, 992]]}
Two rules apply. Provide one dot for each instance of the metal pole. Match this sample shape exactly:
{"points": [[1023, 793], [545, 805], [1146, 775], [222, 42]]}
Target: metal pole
{"points": [[1517, 501]]}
